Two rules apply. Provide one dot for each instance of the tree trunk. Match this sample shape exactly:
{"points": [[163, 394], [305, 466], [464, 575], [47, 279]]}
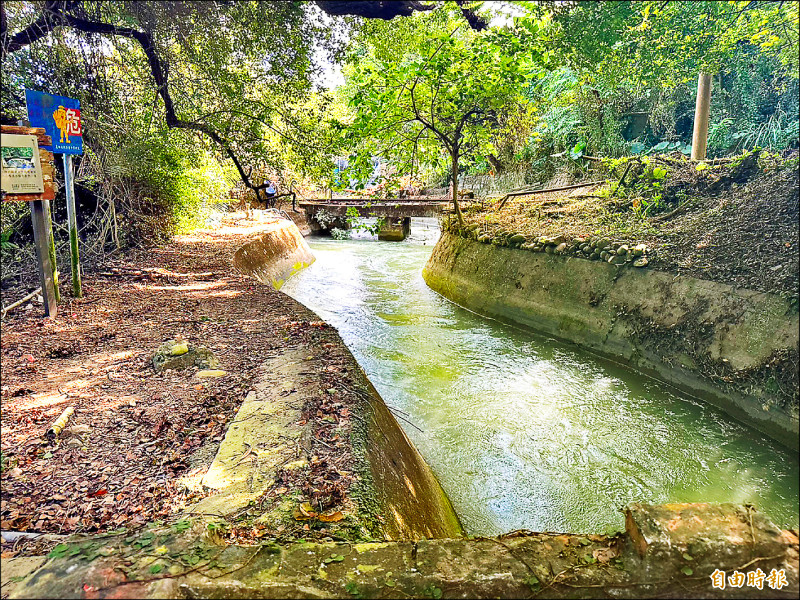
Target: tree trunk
{"points": [[454, 173], [496, 164], [701, 113]]}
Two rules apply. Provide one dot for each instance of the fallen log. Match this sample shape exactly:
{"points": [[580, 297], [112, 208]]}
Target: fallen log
{"points": [[547, 190], [58, 425]]}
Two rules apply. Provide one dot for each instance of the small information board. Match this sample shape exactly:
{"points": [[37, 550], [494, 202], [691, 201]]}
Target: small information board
{"points": [[21, 169], [61, 118]]}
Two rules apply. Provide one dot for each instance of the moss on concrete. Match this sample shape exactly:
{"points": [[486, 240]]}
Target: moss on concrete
{"points": [[732, 347], [667, 551]]}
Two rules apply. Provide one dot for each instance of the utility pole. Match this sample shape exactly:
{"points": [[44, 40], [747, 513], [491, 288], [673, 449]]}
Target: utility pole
{"points": [[702, 110]]}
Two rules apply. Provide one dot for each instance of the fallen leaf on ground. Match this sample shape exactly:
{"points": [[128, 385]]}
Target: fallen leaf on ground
{"points": [[332, 517]]}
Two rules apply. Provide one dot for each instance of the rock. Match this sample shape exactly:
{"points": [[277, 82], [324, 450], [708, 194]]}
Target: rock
{"points": [[561, 247], [603, 243], [179, 348], [594, 255], [559, 239], [549, 248], [622, 250], [617, 260], [639, 249], [194, 356], [517, 238], [537, 248], [604, 255], [210, 373], [640, 262]]}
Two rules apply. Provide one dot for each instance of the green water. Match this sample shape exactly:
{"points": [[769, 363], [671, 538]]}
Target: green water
{"points": [[525, 432]]}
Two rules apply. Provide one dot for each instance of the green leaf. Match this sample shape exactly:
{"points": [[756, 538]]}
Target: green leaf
{"points": [[687, 556], [59, 551], [687, 571], [577, 150], [156, 568]]}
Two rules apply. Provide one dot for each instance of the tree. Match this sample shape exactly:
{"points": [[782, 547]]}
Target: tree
{"points": [[229, 71], [444, 88], [656, 49]]}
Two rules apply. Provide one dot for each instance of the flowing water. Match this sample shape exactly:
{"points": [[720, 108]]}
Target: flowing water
{"points": [[522, 431]]}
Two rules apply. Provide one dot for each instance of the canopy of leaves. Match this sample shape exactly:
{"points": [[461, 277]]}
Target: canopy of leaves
{"points": [[241, 69], [430, 88], [669, 42]]}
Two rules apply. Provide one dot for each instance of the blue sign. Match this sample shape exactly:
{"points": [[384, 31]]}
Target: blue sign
{"points": [[61, 119]]}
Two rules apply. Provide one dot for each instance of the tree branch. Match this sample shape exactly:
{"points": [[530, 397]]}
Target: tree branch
{"points": [[52, 16]]}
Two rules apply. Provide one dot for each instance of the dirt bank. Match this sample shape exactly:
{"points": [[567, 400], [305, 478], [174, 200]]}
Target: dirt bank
{"points": [[735, 222]]}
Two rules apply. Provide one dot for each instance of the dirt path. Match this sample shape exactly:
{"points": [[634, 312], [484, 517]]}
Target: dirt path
{"points": [[142, 441]]}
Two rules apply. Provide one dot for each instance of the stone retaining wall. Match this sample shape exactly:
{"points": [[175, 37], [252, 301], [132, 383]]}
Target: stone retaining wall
{"points": [[735, 348]]}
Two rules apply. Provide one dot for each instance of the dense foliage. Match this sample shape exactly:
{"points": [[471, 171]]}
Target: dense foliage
{"points": [[183, 100], [602, 79]]}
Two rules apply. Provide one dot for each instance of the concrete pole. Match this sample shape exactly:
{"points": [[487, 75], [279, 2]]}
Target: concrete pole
{"points": [[73, 227], [701, 112], [41, 234]]}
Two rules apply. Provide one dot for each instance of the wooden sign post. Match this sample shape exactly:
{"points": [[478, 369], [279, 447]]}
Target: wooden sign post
{"points": [[40, 207]]}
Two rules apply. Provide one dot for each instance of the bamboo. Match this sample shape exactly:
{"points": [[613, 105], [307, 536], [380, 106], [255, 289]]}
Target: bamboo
{"points": [[547, 190], [48, 217], [73, 227], [58, 425]]}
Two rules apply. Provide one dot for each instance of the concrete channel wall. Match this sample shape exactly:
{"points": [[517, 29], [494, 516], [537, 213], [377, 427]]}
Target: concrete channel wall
{"points": [[735, 348], [670, 551], [403, 490]]}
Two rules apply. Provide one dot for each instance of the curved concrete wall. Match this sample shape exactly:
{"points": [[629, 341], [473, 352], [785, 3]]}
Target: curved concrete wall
{"points": [[275, 256], [735, 348], [399, 494], [412, 503]]}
